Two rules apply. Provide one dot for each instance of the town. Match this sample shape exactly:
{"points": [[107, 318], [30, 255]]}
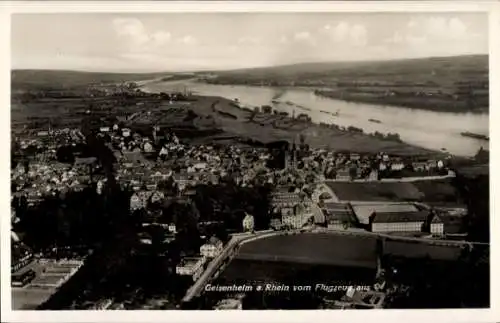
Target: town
{"points": [[140, 181]]}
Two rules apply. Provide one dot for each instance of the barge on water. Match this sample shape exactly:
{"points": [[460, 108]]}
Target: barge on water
{"points": [[335, 114], [474, 135]]}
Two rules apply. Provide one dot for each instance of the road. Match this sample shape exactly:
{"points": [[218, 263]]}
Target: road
{"points": [[212, 267], [319, 217], [323, 188], [393, 180], [447, 243], [232, 248], [229, 251]]}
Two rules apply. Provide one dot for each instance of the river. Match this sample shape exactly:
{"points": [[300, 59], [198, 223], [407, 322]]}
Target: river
{"points": [[428, 129]]}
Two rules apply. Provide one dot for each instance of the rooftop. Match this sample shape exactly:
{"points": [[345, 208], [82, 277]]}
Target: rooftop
{"points": [[31, 296], [364, 211], [335, 206], [391, 217], [190, 261]]}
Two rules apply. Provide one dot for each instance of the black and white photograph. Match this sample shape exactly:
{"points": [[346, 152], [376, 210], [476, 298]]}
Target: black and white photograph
{"points": [[249, 160]]}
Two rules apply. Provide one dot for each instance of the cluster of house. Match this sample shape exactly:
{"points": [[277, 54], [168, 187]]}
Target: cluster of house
{"points": [[291, 209], [194, 266], [246, 166], [37, 179], [46, 142], [124, 139], [202, 164], [40, 174], [112, 89], [346, 167], [45, 137]]}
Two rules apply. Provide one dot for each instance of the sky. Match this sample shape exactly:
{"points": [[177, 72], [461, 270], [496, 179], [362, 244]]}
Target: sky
{"points": [[160, 42]]}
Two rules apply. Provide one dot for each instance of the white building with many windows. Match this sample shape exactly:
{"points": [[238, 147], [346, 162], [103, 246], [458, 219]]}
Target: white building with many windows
{"points": [[191, 266], [437, 226], [296, 221], [397, 166], [398, 221], [212, 248], [285, 199]]}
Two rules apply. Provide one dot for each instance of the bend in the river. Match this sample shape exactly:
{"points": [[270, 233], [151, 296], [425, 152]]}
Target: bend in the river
{"points": [[428, 129]]}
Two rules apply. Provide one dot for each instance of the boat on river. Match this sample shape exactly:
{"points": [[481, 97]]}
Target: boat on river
{"points": [[374, 120], [474, 135]]}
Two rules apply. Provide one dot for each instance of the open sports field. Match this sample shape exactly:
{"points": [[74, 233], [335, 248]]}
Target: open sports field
{"points": [[314, 248], [241, 271]]}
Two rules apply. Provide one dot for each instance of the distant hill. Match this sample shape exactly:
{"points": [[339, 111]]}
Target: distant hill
{"points": [[436, 66], [475, 66], [447, 84], [49, 79]]}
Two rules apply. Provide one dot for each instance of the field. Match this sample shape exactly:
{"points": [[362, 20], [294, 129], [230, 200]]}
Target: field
{"points": [[51, 79], [475, 170], [416, 250], [326, 249], [339, 251], [70, 112], [437, 191], [376, 191], [29, 298], [266, 131], [249, 271], [451, 84]]}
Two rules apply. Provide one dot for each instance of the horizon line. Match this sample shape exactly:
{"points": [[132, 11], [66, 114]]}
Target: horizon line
{"points": [[212, 70]]}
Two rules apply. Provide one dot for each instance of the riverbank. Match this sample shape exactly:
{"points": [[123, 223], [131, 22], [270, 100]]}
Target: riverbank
{"points": [[410, 98], [235, 120]]}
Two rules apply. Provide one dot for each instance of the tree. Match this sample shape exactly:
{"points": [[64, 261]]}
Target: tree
{"points": [[267, 109], [302, 138], [64, 154]]}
